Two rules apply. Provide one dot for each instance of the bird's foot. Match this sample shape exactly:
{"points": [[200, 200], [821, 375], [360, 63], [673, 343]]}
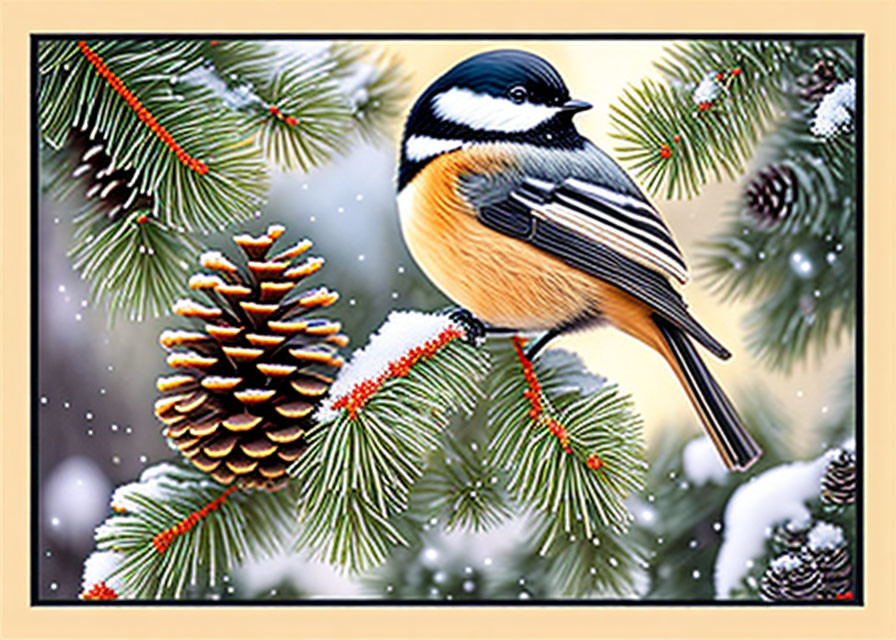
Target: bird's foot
{"points": [[473, 327]]}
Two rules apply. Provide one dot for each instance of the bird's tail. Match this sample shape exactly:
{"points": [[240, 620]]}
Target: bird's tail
{"points": [[737, 448]]}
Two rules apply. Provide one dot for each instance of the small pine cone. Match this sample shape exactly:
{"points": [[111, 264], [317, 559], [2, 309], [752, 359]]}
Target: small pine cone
{"points": [[814, 86], [772, 194], [826, 546], [249, 379], [791, 536], [112, 190], [790, 577], [838, 486]]}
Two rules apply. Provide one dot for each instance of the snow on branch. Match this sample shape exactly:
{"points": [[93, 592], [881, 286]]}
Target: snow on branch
{"points": [[778, 495], [384, 415]]}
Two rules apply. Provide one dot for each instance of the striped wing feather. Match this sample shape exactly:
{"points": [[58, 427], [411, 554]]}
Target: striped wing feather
{"points": [[611, 236]]}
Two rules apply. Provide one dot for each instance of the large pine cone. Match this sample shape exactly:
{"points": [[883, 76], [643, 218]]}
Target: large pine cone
{"points": [[790, 577], [250, 378], [838, 486]]}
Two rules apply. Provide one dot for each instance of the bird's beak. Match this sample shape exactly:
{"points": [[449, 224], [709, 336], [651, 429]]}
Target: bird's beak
{"points": [[574, 106]]}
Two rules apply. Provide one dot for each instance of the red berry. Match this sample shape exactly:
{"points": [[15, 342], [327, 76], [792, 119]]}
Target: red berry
{"points": [[665, 152]]}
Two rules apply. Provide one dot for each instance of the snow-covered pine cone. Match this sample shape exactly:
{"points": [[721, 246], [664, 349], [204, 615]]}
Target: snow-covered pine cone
{"points": [[838, 486], [252, 372], [827, 547], [790, 536], [790, 577]]}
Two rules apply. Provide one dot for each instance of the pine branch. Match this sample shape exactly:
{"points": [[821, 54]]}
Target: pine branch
{"points": [[305, 107], [719, 98], [136, 99], [377, 94], [805, 283], [459, 487], [135, 264], [609, 564], [570, 451], [174, 531], [296, 107], [388, 407]]}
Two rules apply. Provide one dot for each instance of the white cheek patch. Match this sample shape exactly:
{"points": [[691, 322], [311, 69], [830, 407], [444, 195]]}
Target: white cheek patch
{"points": [[418, 148], [487, 113]]}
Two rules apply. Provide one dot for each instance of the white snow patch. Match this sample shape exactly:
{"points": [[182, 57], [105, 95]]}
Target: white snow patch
{"points": [[702, 463], [777, 495], [235, 97], [98, 567], [836, 110], [787, 562], [259, 576], [402, 331], [825, 536], [156, 483], [708, 88], [797, 525]]}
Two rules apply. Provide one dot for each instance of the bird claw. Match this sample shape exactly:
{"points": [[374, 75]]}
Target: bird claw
{"points": [[474, 329]]}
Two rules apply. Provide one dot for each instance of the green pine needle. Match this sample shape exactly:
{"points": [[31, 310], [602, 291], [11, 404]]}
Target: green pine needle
{"points": [[72, 94], [134, 267], [673, 145], [359, 470], [544, 477], [246, 525]]}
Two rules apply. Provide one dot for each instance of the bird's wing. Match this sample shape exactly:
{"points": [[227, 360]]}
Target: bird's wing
{"points": [[627, 224], [616, 237]]}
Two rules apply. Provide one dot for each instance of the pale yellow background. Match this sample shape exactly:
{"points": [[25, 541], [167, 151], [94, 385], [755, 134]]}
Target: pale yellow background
{"points": [[876, 19]]}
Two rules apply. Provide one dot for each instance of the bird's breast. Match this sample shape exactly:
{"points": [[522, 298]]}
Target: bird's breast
{"points": [[502, 280]]}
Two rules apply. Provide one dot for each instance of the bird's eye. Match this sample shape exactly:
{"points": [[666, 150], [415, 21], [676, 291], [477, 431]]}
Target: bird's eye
{"points": [[518, 94]]}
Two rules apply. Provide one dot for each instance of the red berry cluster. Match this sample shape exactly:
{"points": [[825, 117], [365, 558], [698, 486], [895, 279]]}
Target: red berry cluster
{"points": [[100, 591], [145, 116], [562, 434], [594, 461], [533, 394], [362, 392], [162, 540], [290, 120], [666, 151]]}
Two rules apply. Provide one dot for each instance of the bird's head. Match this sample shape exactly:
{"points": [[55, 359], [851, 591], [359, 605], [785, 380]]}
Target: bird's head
{"points": [[496, 96]]}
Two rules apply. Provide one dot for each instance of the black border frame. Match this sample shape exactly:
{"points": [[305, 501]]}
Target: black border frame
{"points": [[859, 564]]}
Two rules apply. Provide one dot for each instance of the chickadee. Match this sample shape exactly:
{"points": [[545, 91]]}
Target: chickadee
{"points": [[518, 218]]}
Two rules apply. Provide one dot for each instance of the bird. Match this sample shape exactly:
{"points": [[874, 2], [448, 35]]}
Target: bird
{"points": [[528, 226]]}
